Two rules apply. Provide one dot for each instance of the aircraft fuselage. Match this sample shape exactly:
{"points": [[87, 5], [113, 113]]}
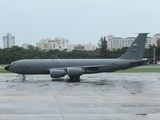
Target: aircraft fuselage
{"points": [[43, 66]]}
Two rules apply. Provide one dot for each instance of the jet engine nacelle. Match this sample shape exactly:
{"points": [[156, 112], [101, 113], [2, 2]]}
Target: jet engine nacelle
{"points": [[57, 73], [75, 72]]}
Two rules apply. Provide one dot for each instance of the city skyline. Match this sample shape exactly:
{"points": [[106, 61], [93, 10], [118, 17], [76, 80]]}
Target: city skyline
{"points": [[152, 40], [77, 21]]}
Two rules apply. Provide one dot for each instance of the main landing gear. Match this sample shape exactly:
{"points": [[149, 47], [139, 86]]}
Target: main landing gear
{"points": [[74, 79]]}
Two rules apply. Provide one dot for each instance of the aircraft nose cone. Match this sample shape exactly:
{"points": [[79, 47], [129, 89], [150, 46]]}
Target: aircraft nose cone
{"points": [[7, 68]]}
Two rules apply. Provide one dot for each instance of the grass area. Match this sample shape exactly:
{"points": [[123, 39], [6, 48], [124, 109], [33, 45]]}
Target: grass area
{"points": [[4, 71], [136, 70], [3, 64]]}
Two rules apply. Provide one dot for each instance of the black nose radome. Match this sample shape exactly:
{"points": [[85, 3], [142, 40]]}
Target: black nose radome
{"points": [[7, 68]]}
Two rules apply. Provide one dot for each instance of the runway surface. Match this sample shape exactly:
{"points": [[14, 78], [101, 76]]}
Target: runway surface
{"points": [[104, 96]]}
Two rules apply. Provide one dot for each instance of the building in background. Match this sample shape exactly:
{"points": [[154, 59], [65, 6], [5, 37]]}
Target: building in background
{"points": [[25, 45], [87, 47], [115, 42], [155, 38], [129, 40], [49, 44], [8, 41], [119, 42]]}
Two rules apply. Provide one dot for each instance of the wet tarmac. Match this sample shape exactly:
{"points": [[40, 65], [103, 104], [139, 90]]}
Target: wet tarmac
{"points": [[104, 96]]}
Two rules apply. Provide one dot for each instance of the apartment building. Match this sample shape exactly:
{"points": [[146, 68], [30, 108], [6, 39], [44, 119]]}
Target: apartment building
{"points": [[115, 42], [25, 45], [87, 47], [8, 41], [49, 44]]}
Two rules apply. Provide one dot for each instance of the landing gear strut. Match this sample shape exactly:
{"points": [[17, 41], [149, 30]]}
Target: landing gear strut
{"points": [[74, 79]]}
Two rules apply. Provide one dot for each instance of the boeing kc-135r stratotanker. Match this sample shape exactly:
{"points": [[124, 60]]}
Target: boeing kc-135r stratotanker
{"points": [[74, 68]]}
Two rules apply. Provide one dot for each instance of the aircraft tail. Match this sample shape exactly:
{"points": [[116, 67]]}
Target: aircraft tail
{"points": [[136, 50]]}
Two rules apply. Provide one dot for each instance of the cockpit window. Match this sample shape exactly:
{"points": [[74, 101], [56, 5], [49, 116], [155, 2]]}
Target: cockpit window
{"points": [[13, 64]]}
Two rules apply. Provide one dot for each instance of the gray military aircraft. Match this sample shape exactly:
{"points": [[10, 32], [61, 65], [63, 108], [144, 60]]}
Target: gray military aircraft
{"points": [[74, 68]]}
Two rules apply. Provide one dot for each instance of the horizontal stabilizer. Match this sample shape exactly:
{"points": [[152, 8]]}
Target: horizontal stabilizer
{"points": [[140, 62]]}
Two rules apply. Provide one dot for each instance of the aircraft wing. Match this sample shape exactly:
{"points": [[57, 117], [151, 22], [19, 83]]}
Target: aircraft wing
{"points": [[85, 68]]}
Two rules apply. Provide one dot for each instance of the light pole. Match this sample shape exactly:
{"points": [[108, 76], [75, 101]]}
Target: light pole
{"points": [[154, 58]]}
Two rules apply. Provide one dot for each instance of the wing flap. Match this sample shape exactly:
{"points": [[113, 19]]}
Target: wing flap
{"points": [[95, 67]]}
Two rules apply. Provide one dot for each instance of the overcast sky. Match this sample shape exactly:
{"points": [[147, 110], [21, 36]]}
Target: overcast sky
{"points": [[79, 21]]}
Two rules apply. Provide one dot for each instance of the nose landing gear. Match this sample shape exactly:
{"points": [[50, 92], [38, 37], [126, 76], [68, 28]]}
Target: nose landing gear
{"points": [[23, 78]]}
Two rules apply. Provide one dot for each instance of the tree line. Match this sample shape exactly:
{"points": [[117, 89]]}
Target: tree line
{"points": [[14, 53]]}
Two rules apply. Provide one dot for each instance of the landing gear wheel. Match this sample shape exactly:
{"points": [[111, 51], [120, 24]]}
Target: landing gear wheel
{"points": [[71, 79], [78, 78], [74, 79]]}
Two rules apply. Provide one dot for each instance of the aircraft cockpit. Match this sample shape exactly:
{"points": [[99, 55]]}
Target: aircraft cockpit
{"points": [[12, 64]]}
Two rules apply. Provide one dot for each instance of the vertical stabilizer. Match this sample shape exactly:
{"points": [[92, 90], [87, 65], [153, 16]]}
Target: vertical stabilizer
{"points": [[136, 50]]}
